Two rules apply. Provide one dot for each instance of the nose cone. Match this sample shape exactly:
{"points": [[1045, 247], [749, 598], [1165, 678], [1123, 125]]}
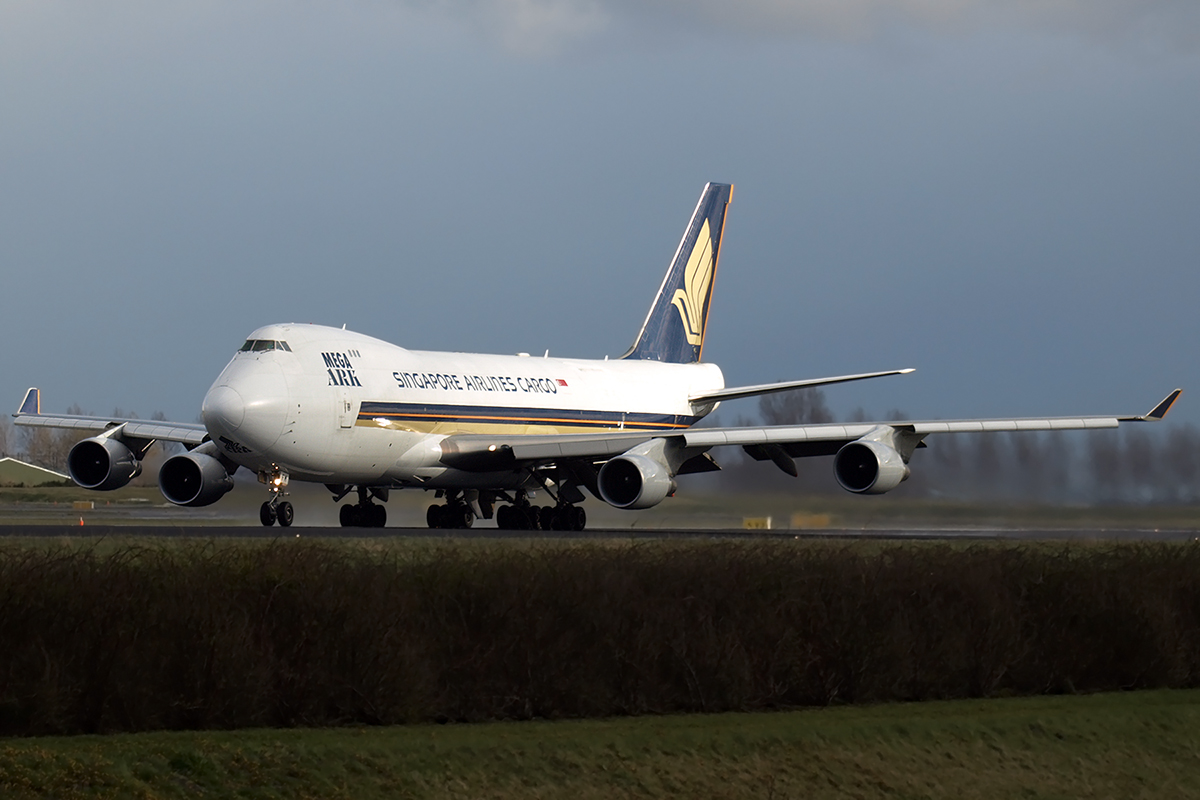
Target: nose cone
{"points": [[224, 407], [248, 405]]}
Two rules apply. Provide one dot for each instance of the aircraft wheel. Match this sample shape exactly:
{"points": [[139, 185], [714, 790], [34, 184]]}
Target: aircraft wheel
{"points": [[346, 516], [285, 513], [560, 519], [578, 518], [434, 516], [464, 517], [529, 518], [378, 516], [266, 514], [504, 518], [546, 518]]}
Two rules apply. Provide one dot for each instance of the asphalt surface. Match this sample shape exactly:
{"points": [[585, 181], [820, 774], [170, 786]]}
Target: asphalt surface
{"points": [[260, 532]]}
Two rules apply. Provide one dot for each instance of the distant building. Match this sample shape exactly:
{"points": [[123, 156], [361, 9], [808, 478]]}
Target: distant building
{"points": [[14, 472]]}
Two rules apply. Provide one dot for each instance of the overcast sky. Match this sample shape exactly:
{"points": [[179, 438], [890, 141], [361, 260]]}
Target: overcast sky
{"points": [[1004, 195]]}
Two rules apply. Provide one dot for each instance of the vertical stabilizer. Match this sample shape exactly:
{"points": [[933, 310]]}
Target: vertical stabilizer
{"points": [[674, 328]]}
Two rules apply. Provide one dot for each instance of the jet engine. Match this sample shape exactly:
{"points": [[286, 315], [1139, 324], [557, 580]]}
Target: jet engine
{"points": [[102, 463], [633, 480], [194, 479], [867, 466]]}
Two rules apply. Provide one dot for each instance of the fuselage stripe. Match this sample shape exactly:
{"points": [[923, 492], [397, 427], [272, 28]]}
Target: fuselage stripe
{"points": [[542, 416]]}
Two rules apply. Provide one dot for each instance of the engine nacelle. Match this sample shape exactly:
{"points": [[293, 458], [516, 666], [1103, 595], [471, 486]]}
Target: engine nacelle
{"points": [[866, 466], [102, 463], [194, 479], [634, 481]]}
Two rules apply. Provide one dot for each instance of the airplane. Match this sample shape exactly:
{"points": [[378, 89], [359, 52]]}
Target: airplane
{"points": [[303, 402]]}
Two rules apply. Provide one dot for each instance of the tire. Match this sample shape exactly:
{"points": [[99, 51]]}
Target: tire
{"points": [[378, 516], [504, 518], [434, 516], [546, 518], [578, 518], [285, 513], [561, 519], [464, 517], [346, 516], [266, 514]]}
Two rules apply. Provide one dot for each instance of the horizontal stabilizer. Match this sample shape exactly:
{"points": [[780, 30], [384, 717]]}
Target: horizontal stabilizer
{"points": [[769, 388]]}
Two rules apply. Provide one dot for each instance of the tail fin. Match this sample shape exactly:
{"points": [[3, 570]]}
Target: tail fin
{"points": [[674, 328]]}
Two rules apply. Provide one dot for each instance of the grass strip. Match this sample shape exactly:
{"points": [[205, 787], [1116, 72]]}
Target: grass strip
{"points": [[1137, 744]]}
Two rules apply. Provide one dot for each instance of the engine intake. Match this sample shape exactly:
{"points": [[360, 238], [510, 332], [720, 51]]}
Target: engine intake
{"points": [[866, 466], [634, 481], [194, 479], [102, 463]]}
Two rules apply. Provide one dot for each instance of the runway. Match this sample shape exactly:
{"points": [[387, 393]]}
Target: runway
{"points": [[895, 534]]}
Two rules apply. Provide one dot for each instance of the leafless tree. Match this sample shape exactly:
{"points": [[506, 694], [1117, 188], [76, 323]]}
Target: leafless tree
{"points": [[1104, 463], [48, 447], [799, 407], [988, 463], [1058, 461], [1180, 462]]}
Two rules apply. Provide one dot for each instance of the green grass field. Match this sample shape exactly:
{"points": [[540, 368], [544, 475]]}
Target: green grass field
{"points": [[1128, 745]]}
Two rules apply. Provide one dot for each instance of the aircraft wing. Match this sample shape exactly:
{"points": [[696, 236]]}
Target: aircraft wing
{"points": [[848, 432], [487, 452], [188, 433]]}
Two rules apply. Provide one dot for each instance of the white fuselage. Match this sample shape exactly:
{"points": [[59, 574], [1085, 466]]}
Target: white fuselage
{"points": [[330, 405]]}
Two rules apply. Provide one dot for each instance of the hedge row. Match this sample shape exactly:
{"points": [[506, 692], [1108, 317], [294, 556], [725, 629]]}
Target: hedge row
{"points": [[206, 635]]}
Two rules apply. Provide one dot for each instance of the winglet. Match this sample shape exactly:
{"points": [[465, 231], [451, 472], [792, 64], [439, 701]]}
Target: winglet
{"points": [[32, 404], [1162, 408]]}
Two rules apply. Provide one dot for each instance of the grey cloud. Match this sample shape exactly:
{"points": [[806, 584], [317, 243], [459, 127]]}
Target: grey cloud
{"points": [[539, 26]]}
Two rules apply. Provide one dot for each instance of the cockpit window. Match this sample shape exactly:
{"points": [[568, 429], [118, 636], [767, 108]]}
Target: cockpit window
{"points": [[262, 345]]}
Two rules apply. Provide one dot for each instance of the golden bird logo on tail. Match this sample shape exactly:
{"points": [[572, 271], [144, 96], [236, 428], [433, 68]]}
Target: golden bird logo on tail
{"points": [[697, 281]]}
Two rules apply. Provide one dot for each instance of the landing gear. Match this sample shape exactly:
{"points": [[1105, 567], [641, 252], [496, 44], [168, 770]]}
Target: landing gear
{"points": [[271, 512], [364, 513], [275, 509], [455, 514], [521, 516]]}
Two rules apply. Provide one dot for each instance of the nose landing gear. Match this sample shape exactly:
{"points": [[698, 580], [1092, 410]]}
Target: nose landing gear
{"points": [[276, 510]]}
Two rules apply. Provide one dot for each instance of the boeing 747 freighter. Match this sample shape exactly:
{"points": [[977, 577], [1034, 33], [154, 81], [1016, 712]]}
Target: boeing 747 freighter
{"points": [[302, 402]]}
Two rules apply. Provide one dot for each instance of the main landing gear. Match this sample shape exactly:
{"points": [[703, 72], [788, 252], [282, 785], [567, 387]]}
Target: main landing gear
{"points": [[524, 516], [364, 513], [455, 514], [276, 510]]}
